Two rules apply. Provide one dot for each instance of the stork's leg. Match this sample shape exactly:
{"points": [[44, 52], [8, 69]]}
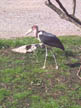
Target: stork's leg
{"points": [[54, 59], [44, 66]]}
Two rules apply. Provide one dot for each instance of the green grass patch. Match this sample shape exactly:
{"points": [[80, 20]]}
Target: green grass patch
{"points": [[24, 84], [38, 102], [16, 42], [4, 93], [22, 95]]}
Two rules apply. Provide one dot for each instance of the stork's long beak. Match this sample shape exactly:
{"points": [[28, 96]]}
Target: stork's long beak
{"points": [[29, 31]]}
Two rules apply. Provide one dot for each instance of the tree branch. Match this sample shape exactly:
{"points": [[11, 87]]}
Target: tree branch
{"points": [[63, 14], [54, 8], [74, 7], [49, 1], [62, 7]]}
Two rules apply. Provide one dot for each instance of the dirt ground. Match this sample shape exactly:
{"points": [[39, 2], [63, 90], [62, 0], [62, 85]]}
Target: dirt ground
{"points": [[16, 16]]}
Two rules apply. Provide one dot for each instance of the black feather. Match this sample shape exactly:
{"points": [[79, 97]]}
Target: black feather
{"points": [[50, 40]]}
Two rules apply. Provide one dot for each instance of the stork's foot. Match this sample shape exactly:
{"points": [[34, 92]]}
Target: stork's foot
{"points": [[43, 67], [57, 67]]}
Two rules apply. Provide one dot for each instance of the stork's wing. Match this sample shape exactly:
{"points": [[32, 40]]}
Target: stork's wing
{"points": [[51, 40]]}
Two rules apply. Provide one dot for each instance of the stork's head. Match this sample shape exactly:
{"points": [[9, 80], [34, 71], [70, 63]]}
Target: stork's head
{"points": [[33, 29]]}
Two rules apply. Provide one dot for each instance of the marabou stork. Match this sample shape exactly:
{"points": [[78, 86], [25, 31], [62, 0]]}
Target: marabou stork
{"points": [[47, 39]]}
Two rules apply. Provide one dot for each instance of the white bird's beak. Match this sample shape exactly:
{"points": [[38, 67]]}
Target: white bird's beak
{"points": [[29, 31]]}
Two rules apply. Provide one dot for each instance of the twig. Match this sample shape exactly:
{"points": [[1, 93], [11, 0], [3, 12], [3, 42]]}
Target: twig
{"points": [[78, 72]]}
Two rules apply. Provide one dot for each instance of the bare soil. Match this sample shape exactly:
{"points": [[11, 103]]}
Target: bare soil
{"points": [[16, 16]]}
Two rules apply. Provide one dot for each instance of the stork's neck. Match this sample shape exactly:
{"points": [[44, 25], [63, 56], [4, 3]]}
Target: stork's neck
{"points": [[36, 33]]}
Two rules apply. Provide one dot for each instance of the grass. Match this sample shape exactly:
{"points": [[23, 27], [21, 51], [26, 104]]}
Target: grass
{"points": [[24, 84]]}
